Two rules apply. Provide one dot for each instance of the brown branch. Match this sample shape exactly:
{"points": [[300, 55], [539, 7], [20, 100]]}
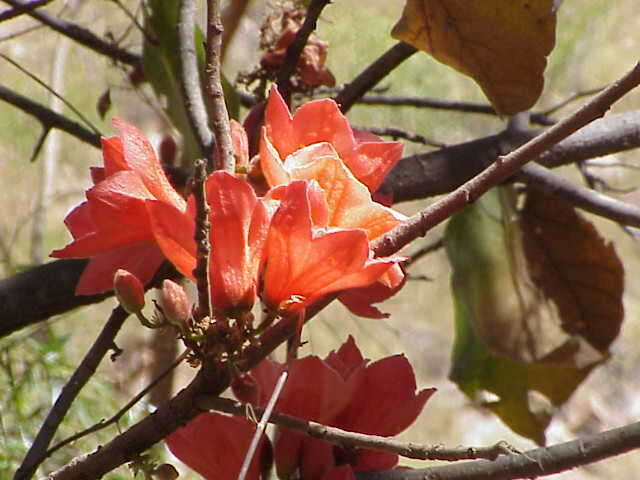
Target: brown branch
{"points": [[82, 374], [294, 50], [370, 76], [418, 225], [581, 197], [26, 7], [213, 86], [48, 118], [438, 172], [80, 34], [203, 246], [190, 79], [531, 464], [349, 440]]}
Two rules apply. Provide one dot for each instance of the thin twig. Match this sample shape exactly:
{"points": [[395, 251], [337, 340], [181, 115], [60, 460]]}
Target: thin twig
{"points": [[418, 225], [190, 79], [396, 133], [370, 76], [584, 198], [46, 86], [17, 11], [81, 35], [570, 99], [104, 342], [295, 48], [539, 118], [224, 159], [48, 118], [347, 439], [115, 418], [262, 425]]}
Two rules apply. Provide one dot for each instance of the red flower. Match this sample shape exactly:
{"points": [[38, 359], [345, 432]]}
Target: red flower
{"points": [[346, 392], [113, 227], [305, 260], [349, 206], [239, 225], [367, 156], [214, 445]]}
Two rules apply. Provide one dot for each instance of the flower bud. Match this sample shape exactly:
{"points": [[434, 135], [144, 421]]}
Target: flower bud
{"points": [[175, 303], [129, 291]]}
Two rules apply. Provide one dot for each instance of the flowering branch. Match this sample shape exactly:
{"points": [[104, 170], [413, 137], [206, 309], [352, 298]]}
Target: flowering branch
{"points": [[418, 225], [104, 343], [294, 50]]}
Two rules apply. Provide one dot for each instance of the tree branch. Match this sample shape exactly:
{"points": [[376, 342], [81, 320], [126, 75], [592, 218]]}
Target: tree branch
{"points": [[79, 34], [530, 464], [294, 50], [82, 374], [190, 79], [581, 197], [48, 118], [17, 11], [438, 172], [370, 76], [213, 86], [418, 224]]}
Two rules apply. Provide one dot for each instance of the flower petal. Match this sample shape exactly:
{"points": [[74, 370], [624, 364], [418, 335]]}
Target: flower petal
{"points": [[141, 259], [141, 158], [304, 265], [214, 445], [173, 231], [239, 230], [386, 402]]}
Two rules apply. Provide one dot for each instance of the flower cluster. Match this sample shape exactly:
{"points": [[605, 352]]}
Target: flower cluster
{"points": [[348, 392], [307, 237]]}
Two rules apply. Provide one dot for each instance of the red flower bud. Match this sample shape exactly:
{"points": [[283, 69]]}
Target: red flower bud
{"points": [[129, 291], [175, 303]]}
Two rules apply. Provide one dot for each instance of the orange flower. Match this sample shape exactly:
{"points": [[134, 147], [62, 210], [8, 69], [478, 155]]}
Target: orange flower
{"points": [[113, 227], [367, 156], [349, 206], [306, 261]]}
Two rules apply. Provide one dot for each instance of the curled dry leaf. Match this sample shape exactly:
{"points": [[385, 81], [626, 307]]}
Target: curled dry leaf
{"points": [[538, 298], [501, 44]]}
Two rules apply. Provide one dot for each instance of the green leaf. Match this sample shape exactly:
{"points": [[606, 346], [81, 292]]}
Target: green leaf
{"points": [[514, 338], [161, 64]]}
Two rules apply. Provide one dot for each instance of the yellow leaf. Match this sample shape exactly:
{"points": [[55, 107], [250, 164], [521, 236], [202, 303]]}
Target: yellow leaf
{"points": [[501, 44]]}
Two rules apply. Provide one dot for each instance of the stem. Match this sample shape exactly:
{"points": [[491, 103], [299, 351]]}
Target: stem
{"points": [[213, 86]]}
